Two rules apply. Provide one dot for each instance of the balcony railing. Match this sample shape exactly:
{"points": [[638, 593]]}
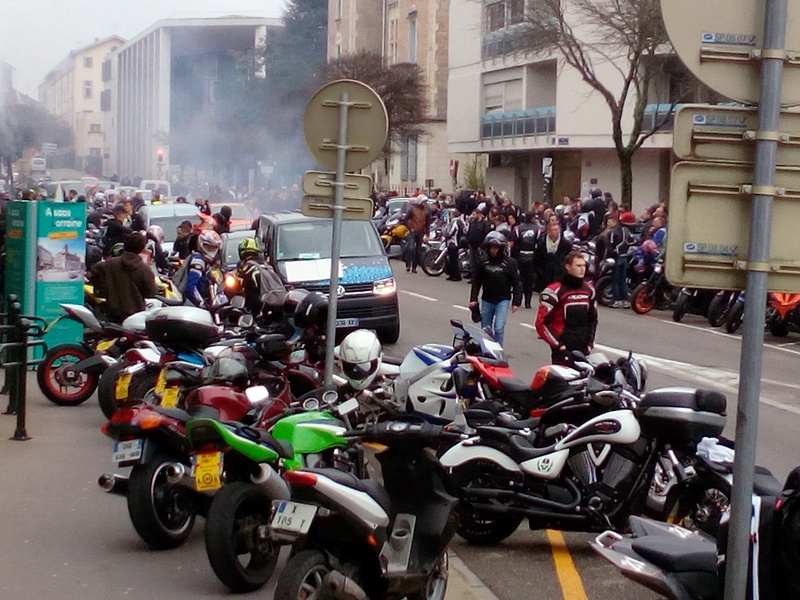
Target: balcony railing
{"points": [[533, 121], [518, 37]]}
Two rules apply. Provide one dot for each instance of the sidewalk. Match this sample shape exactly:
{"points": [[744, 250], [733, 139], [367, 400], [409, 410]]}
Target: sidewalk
{"points": [[64, 539]]}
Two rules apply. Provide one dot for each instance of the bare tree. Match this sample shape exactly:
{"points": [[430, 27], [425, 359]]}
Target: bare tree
{"points": [[401, 87], [628, 35]]}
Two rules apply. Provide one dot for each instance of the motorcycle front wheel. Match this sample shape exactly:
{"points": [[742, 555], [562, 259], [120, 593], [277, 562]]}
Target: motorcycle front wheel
{"points": [[734, 320], [475, 525], [303, 576], [605, 295], [681, 307], [59, 382], [699, 508], [717, 310], [241, 558], [429, 264], [436, 586], [642, 299], [162, 513]]}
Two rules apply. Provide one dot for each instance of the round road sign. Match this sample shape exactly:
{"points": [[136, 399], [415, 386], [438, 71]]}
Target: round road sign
{"points": [[367, 124], [715, 40]]}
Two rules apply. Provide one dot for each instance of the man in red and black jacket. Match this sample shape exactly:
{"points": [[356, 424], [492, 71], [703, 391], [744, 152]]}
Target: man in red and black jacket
{"points": [[567, 316]]}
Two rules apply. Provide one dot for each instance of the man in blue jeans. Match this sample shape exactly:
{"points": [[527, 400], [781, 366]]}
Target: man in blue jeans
{"points": [[498, 275]]}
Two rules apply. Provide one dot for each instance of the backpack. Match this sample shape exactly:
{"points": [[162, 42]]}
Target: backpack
{"points": [[181, 276], [526, 236], [272, 291]]}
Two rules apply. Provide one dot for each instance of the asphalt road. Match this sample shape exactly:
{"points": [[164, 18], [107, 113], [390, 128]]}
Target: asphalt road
{"points": [[689, 353], [62, 538]]}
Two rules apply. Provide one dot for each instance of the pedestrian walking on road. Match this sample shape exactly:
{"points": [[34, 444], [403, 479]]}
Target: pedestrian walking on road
{"points": [[567, 315], [418, 221], [498, 275], [549, 256]]}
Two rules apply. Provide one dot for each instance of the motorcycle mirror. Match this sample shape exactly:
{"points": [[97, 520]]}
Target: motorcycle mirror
{"points": [[257, 394], [237, 302], [245, 321]]}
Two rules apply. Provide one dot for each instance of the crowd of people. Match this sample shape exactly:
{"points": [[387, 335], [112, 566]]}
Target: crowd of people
{"points": [[514, 254]]}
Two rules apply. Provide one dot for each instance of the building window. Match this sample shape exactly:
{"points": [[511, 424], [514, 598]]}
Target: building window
{"points": [[87, 89], [339, 10], [412, 37], [504, 13], [392, 41], [408, 159], [94, 152], [105, 100], [87, 62], [94, 128], [504, 96]]}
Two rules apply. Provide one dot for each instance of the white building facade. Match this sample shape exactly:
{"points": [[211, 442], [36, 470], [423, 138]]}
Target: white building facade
{"points": [[546, 132]]}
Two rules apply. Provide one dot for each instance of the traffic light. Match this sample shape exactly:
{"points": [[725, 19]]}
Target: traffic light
{"points": [[160, 154]]}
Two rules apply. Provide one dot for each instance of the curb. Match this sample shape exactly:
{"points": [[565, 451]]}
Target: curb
{"points": [[463, 584]]}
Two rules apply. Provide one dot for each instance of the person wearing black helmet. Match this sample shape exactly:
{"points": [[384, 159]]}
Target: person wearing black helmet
{"points": [[498, 275]]}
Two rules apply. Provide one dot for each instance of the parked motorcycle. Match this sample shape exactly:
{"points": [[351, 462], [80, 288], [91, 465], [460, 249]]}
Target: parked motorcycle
{"points": [[69, 373], [586, 465], [638, 271], [783, 313], [655, 292], [735, 315], [684, 565], [357, 538], [720, 307], [692, 300], [434, 259]]}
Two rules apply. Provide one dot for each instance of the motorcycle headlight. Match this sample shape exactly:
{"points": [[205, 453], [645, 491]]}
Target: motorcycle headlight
{"points": [[384, 286]]}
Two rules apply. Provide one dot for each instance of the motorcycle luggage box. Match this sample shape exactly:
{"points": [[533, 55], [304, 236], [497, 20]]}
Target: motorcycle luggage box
{"points": [[682, 415], [182, 326]]}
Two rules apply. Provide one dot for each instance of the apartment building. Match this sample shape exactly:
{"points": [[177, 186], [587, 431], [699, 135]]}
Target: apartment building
{"points": [[72, 91], [403, 31], [545, 132]]}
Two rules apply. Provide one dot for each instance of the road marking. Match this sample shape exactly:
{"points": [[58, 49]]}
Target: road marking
{"points": [[460, 307], [568, 576], [780, 347], [722, 379], [420, 296], [529, 326]]}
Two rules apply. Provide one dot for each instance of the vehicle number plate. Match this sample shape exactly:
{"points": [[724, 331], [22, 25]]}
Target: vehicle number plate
{"points": [[161, 382], [347, 322], [122, 385], [104, 345], [293, 517], [127, 450], [208, 471], [170, 397]]}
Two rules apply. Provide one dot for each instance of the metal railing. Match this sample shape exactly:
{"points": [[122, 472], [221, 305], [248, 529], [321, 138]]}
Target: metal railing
{"points": [[533, 121]]}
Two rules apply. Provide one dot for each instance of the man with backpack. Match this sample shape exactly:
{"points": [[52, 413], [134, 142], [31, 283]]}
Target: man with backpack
{"points": [[194, 278], [264, 291], [526, 235]]}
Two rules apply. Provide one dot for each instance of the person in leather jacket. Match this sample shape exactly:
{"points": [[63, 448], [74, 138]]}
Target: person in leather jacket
{"points": [[567, 315]]}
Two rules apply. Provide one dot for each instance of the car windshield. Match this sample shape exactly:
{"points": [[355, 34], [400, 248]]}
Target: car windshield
{"points": [[231, 248], [169, 225], [312, 240]]}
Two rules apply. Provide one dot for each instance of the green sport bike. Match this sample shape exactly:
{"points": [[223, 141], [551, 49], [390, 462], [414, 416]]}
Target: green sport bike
{"points": [[240, 465]]}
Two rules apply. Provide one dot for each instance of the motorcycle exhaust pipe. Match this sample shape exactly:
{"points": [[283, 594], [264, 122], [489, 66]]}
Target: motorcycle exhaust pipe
{"points": [[175, 473], [529, 512], [340, 587], [113, 484], [272, 483]]}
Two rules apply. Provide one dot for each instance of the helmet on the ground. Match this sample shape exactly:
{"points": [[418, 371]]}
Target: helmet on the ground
{"points": [[360, 355], [229, 369], [311, 311], [248, 246], [495, 238], [208, 242], [157, 232]]}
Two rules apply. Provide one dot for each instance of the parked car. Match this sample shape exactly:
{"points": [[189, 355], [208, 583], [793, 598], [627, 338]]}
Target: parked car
{"points": [[299, 249]]}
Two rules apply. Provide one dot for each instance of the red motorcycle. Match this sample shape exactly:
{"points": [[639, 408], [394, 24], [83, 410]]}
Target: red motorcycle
{"points": [[162, 503], [783, 313]]}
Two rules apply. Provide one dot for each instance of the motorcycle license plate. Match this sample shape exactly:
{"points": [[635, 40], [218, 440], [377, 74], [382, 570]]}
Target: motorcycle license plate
{"points": [[128, 450], [347, 322], [121, 386], [293, 517], [161, 382], [207, 471], [169, 399], [104, 345]]}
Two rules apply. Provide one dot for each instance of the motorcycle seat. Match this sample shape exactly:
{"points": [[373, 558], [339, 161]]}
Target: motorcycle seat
{"points": [[522, 449], [696, 399], [195, 412], [509, 421], [369, 486], [676, 555], [262, 436]]}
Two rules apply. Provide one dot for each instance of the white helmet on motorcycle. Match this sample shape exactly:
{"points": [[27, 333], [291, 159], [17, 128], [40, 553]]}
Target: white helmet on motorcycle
{"points": [[157, 232], [360, 356], [208, 242]]}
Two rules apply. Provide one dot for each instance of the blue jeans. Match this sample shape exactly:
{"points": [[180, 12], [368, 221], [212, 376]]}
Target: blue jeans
{"points": [[494, 314], [619, 287]]}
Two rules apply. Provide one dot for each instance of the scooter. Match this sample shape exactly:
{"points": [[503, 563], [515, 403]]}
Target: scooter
{"points": [[356, 538], [684, 565]]}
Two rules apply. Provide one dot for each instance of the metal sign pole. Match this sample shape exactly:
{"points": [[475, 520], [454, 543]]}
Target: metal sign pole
{"points": [[751, 358], [338, 208]]}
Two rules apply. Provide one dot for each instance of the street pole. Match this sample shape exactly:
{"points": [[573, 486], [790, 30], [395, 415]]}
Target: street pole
{"points": [[750, 362], [338, 209]]}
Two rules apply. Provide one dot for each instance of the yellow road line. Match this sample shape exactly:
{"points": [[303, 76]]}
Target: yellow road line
{"points": [[568, 576]]}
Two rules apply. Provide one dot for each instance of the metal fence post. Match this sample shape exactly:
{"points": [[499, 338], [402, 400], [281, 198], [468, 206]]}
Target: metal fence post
{"points": [[13, 374], [23, 327]]}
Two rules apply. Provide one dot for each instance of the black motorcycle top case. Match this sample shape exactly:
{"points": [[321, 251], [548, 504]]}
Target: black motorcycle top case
{"points": [[680, 415], [182, 326]]}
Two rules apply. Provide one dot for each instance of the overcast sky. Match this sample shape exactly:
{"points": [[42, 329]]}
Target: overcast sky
{"points": [[35, 35]]}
